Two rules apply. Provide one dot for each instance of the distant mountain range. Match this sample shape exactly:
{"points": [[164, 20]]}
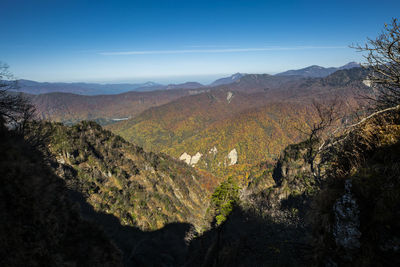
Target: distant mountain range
{"points": [[71, 108], [318, 71], [33, 87], [186, 85], [36, 88]]}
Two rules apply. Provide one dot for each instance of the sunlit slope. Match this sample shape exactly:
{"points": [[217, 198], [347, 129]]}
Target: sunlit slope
{"points": [[215, 124], [224, 127], [179, 120], [257, 134]]}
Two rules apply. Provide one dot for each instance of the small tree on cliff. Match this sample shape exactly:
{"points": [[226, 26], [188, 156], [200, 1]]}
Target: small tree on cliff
{"points": [[383, 60], [328, 114]]}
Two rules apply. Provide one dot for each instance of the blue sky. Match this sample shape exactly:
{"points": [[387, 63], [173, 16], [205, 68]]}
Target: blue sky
{"points": [[175, 41]]}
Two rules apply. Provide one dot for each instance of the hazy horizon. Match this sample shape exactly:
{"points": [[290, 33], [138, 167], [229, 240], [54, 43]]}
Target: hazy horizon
{"points": [[165, 80]]}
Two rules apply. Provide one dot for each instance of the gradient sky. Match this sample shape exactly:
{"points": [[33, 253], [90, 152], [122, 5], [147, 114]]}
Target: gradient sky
{"points": [[175, 41]]}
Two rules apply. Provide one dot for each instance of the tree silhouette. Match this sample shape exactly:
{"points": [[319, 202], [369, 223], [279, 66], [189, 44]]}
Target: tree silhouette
{"points": [[15, 109], [383, 60], [328, 115]]}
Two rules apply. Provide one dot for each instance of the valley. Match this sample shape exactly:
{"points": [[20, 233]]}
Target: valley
{"points": [[197, 177], [199, 133], [252, 112], [243, 118]]}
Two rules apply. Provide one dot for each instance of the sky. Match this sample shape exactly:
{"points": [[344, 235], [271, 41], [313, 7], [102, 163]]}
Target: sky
{"points": [[176, 41]]}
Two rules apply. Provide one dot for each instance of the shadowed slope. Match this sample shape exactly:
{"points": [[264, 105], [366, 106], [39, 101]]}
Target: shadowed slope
{"points": [[39, 226]]}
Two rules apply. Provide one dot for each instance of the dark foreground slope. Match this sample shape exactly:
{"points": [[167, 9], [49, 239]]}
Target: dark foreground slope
{"points": [[357, 214], [39, 226], [68, 194]]}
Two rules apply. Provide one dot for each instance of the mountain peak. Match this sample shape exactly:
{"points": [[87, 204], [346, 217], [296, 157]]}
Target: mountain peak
{"points": [[226, 80], [350, 65], [314, 67], [149, 83]]}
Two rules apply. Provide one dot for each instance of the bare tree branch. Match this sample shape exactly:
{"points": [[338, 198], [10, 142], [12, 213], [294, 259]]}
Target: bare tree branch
{"points": [[383, 59], [329, 113], [15, 109]]}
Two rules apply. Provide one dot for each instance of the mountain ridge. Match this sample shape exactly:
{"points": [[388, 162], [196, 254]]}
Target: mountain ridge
{"points": [[316, 71], [82, 88], [105, 109], [227, 80], [221, 124]]}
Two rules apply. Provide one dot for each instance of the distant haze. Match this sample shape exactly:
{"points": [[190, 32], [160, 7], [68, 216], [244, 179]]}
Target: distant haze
{"points": [[82, 88]]}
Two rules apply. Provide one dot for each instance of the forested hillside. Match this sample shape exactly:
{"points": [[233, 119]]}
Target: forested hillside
{"points": [[142, 189], [105, 109], [223, 127], [72, 108]]}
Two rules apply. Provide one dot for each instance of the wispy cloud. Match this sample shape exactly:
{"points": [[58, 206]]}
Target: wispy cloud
{"points": [[208, 46], [224, 50]]}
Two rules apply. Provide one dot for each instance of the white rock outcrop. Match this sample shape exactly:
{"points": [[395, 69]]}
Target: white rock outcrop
{"points": [[61, 160], [186, 158], [213, 150], [233, 156], [229, 97], [190, 160], [367, 83], [195, 158]]}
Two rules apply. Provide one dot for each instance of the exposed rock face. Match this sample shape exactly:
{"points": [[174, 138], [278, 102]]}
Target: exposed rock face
{"points": [[233, 156], [347, 222], [213, 150], [367, 83], [186, 158], [229, 97], [195, 158], [189, 160], [60, 160]]}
